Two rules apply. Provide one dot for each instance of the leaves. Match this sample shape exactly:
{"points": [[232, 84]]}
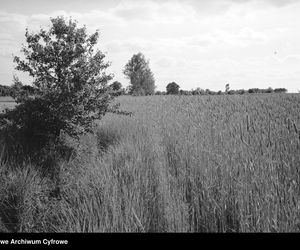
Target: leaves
{"points": [[69, 75]]}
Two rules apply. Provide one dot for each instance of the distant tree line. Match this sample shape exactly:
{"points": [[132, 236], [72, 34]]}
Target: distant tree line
{"points": [[16, 89], [5, 90], [174, 89]]}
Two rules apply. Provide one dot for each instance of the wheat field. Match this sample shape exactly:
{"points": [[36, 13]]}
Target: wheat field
{"points": [[177, 164]]}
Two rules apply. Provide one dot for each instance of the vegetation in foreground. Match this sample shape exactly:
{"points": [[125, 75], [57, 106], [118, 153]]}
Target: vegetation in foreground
{"points": [[179, 164]]}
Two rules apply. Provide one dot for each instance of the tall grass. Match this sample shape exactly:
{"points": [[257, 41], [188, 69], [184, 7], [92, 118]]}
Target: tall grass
{"points": [[179, 164]]}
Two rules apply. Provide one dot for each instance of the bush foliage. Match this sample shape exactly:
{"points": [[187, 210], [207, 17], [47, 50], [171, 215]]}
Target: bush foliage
{"points": [[69, 82]]}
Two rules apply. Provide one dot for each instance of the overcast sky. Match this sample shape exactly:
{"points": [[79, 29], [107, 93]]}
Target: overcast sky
{"points": [[196, 43]]}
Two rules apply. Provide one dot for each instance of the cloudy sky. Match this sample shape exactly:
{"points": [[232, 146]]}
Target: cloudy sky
{"points": [[196, 43]]}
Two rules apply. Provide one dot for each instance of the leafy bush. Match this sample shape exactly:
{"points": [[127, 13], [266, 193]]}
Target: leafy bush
{"points": [[70, 85], [69, 93], [28, 129]]}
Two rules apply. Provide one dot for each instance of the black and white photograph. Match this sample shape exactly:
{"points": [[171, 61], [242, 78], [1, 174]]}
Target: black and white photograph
{"points": [[147, 116]]}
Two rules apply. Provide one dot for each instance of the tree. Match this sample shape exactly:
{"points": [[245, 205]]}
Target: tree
{"points": [[141, 78], [227, 88], [241, 91], [172, 88], [198, 91], [231, 92], [70, 84], [117, 89], [185, 92], [269, 90], [280, 90], [254, 91], [207, 92], [116, 86]]}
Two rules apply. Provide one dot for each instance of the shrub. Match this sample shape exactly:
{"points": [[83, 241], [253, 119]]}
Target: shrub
{"points": [[70, 93]]}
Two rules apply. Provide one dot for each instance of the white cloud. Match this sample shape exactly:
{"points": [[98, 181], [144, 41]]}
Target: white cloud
{"points": [[244, 38], [165, 62], [290, 59], [154, 12]]}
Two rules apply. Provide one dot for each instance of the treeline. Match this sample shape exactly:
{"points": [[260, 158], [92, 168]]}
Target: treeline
{"points": [[117, 90], [174, 89], [5, 90], [15, 89], [231, 92]]}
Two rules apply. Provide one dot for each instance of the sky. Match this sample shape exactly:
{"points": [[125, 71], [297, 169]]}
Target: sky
{"points": [[196, 43]]}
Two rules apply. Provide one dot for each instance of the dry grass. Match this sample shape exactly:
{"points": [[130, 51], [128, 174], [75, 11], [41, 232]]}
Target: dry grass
{"points": [[179, 164]]}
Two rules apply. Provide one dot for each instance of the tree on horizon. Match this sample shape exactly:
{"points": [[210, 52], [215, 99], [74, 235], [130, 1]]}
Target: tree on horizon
{"points": [[138, 71], [172, 88]]}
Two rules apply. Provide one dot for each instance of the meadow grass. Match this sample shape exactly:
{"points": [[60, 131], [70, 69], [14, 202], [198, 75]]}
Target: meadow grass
{"points": [[178, 164]]}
